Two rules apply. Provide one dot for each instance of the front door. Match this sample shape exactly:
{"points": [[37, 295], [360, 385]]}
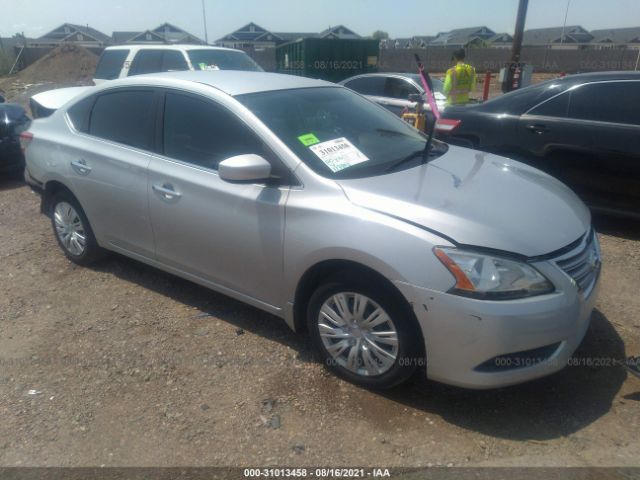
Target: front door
{"points": [[228, 234]]}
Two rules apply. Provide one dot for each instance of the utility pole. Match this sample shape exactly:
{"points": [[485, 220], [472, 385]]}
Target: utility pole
{"points": [[512, 71], [517, 35], [564, 24], [204, 19]]}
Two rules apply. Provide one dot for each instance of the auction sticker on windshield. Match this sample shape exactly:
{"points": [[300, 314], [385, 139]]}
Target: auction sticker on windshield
{"points": [[338, 154]]}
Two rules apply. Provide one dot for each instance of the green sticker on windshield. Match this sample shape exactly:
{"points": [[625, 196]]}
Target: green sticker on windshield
{"points": [[308, 139]]}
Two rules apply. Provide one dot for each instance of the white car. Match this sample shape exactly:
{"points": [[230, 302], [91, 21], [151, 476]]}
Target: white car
{"points": [[128, 60]]}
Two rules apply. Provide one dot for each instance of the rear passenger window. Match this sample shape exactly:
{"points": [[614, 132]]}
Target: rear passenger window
{"points": [[125, 117], [203, 133], [110, 64], [146, 61], [79, 114], [556, 107], [367, 85], [615, 102]]}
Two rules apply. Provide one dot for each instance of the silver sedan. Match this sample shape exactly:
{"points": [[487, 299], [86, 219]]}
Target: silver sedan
{"points": [[305, 199]]}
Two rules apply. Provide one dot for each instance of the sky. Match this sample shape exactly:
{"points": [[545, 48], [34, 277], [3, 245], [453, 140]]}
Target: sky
{"points": [[400, 18]]}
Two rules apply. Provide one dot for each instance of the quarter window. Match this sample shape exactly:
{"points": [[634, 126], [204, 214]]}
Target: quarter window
{"points": [[125, 117], [203, 133], [79, 114], [606, 102]]}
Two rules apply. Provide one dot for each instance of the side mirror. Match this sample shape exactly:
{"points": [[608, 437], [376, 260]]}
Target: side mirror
{"points": [[2, 100], [244, 168]]}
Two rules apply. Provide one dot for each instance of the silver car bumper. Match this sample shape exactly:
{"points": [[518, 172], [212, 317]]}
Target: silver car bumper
{"points": [[486, 344]]}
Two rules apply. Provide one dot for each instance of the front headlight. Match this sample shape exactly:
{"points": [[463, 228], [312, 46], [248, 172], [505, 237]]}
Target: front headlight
{"points": [[491, 278]]}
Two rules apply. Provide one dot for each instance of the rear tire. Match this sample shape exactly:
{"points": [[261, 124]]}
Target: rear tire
{"points": [[72, 230], [364, 332]]}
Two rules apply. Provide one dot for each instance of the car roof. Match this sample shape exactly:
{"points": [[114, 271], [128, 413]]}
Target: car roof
{"points": [[232, 82], [173, 46], [600, 76]]}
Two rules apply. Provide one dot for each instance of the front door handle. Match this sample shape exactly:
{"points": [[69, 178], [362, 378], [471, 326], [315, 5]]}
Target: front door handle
{"points": [[81, 167], [537, 129], [166, 191]]}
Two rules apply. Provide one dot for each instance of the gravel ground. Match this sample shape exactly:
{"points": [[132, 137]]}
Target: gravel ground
{"points": [[123, 365]]}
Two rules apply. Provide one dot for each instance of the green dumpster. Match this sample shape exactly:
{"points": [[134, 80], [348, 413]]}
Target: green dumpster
{"points": [[329, 59]]}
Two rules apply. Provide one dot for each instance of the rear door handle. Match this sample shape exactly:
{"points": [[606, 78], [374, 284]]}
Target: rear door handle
{"points": [[537, 128], [166, 191], [81, 167]]}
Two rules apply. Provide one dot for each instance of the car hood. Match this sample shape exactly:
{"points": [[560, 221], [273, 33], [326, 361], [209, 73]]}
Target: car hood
{"points": [[480, 199]]}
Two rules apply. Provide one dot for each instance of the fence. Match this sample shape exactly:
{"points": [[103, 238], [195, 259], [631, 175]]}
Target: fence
{"points": [[543, 59], [438, 59]]}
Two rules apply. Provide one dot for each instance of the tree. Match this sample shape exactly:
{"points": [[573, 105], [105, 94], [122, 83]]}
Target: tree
{"points": [[379, 35]]}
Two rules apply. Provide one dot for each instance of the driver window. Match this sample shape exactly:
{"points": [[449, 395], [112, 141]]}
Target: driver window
{"points": [[203, 133], [398, 88]]}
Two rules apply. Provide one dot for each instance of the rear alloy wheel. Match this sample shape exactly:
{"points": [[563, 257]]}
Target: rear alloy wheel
{"points": [[72, 230], [69, 229], [363, 333]]}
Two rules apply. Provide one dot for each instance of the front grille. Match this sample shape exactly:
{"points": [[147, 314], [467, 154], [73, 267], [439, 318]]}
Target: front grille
{"points": [[583, 263]]}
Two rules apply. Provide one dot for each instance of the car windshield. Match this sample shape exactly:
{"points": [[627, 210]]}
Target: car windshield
{"points": [[222, 60], [437, 84], [336, 132]]}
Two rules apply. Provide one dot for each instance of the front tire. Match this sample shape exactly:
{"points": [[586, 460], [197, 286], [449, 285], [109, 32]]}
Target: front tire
{"points": [[364, 332], [72, 230]]}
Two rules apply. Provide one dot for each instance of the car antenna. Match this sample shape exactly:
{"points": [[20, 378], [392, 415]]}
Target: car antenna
{"points": [[428, 88]]}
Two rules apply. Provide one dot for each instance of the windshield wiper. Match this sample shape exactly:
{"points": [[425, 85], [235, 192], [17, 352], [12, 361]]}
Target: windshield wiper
{"points": [[422, 152], [391, 132]]}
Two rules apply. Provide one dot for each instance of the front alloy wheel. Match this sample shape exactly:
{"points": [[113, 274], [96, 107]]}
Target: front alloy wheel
{"points": [[358, 333], [365, 331]]}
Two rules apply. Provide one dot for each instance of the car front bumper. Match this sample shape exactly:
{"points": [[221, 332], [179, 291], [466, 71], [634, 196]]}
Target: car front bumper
{"points": [[488, 344]]}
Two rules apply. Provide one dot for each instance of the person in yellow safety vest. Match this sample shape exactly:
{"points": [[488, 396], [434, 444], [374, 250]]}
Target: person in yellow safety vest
{"points": [[460, 80]]}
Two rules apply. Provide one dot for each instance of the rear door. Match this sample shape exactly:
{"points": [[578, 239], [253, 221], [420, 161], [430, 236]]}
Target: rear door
{"points": [[228, 234], [107, 165]]}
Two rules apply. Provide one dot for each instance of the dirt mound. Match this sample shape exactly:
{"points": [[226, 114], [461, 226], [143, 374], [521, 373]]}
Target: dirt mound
{"points": [[67, 65]]}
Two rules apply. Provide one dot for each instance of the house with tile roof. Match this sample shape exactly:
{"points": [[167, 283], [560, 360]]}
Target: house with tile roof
{"points": [[568, 37], [462, 37], [253, 35], [616, 38], [165, 33], [82, 35]]}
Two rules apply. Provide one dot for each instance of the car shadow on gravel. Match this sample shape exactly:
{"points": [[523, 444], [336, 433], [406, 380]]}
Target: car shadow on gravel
{"points": [[206, 302], [543, 409], [11, 183], [627, 228]]}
